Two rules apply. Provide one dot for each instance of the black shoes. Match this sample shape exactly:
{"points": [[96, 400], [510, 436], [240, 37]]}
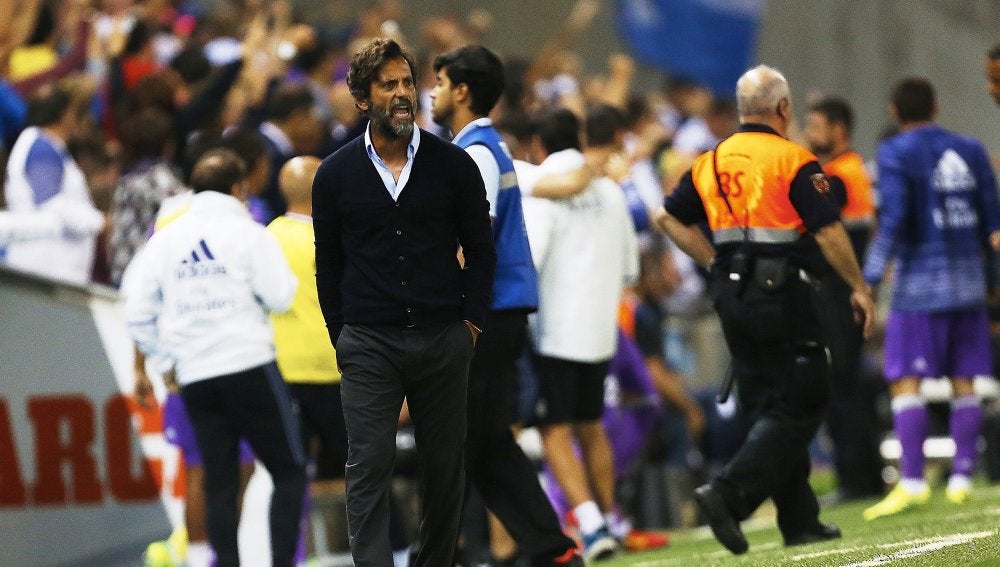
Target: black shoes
{"points": [[822, 532], [724, 525]]}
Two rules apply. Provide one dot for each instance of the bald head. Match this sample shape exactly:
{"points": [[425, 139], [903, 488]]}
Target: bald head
{"points": [[295, 182], [760, 90], [218, 170], [763, 97]]}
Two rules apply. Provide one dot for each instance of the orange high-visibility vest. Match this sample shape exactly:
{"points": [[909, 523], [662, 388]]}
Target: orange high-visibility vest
{"points": [[859, 212], [755, 171]]}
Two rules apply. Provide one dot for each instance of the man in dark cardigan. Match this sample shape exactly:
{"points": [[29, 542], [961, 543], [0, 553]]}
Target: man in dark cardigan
{"points": [[390, 210]]}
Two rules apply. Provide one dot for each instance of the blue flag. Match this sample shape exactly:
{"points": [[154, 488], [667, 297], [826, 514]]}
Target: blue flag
{"points": [[710, 41]]}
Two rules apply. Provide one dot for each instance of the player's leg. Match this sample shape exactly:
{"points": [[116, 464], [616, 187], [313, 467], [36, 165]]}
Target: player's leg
{"points": [[969, 356], [496, 465], [560, 395], [912, 351], [264, 410], [217, 444]]}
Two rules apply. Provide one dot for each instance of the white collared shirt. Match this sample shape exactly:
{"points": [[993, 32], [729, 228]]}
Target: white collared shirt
{"points": [[489, 169], [391, 185]]}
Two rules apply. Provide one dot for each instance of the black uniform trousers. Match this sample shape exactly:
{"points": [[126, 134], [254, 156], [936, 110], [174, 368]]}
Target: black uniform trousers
{"points": [[781, 368], [254, 404], [430, 367], [496, 465], [852, 418]]}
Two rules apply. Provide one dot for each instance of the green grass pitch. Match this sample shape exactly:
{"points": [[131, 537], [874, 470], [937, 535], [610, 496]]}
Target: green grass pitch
{"points": [[939, 533]]}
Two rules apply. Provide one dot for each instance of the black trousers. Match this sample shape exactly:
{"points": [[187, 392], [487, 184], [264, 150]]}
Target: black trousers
{"points": [[321, 416], [852, 418], [496, 465], [253, 404], [430, 367], [781, 369]]}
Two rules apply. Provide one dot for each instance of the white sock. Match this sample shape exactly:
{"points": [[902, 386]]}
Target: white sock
{"points": [[914, 485], [199, 554], [618, 525], [905, 401], [588, 515], [959, 482]]}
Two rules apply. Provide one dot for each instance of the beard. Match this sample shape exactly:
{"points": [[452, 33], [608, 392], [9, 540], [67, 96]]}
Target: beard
{"points": [[387, 122], [441, 116]]}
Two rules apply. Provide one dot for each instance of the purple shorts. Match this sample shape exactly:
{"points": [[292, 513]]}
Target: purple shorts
{"points": [[178, 431], [933, 345]]}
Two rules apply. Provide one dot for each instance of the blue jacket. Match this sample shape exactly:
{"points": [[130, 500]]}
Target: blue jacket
{"points": [[938, 206], [515, 285]]}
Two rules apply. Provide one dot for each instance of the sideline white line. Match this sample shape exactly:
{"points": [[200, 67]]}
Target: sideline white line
{"points": [[939, 543], [918, 541], [828, 552], [923, 545], [892, 545], [927, 544]]}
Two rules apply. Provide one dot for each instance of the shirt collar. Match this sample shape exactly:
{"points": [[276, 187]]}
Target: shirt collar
{"points": [[299, 217], [411, 149], [754, 127], [215, 202], [483, 122]]}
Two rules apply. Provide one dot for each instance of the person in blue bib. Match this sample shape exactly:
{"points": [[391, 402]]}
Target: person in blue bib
{"points": [[470, 80]]}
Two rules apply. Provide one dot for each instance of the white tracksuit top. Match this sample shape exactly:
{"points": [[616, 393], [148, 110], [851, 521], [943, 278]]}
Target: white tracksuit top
{"points": [[198, 293], [68, 255], [585, 250]]}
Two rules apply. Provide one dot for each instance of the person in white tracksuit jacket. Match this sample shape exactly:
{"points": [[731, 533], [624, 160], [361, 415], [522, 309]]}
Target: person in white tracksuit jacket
{"points": [[585, 250], [43, 182], [198, 295]]}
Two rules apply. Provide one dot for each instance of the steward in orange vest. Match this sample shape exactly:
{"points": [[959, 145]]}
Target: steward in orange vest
{"points": [[851, 419], [764, 200], [828, 133]]}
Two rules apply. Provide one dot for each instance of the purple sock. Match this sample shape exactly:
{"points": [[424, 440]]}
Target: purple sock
{"points": [[966, 416], [910, 424]]}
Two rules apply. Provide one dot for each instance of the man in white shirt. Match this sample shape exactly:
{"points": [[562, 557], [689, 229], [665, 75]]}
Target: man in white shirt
{"points": [[198, 294], [585, 252], [42, 177]]}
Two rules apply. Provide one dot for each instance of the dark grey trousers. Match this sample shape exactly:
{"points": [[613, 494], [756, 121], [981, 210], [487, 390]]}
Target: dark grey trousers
{"points": [[430, 367]]}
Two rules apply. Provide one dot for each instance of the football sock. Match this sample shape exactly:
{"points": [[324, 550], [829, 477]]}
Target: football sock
{"points": [[588, 515], [199, 554], [909, 413], [966, 416], [618, 525]]}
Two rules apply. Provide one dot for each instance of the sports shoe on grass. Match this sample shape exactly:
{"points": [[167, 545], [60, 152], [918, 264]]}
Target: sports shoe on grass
{"points": [[725, 526], [820, 532], [168, 553], [958, 495], [599, 545], [640, 540], [898, 500]]}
